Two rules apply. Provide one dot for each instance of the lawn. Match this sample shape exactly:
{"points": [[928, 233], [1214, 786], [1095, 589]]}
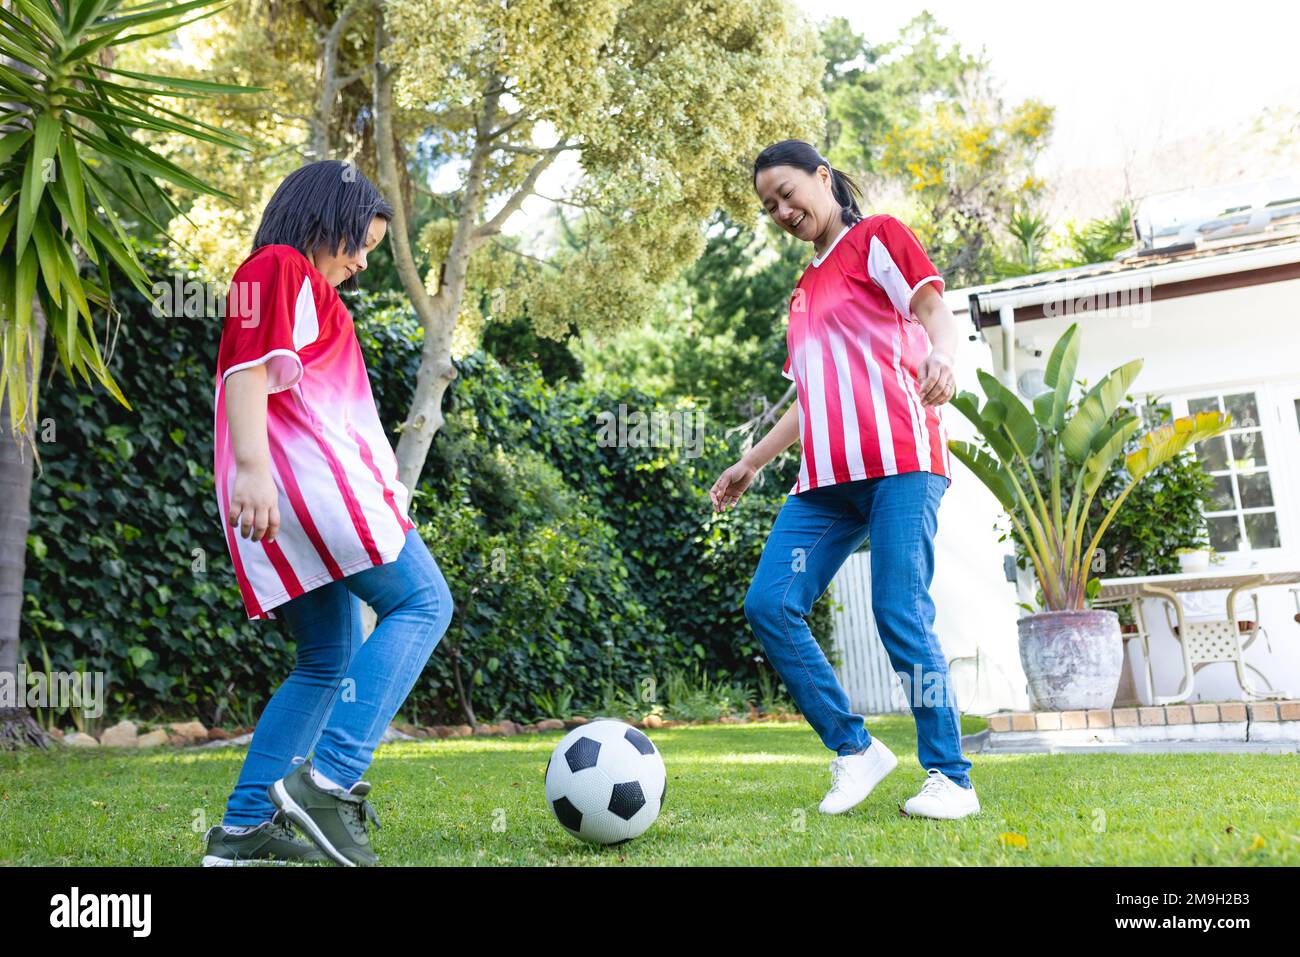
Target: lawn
{"points": [[737, 794]]}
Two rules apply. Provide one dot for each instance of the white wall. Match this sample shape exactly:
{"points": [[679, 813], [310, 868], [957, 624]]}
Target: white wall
{"points": [[1247, 337], [975, 605], [1234, 335]]}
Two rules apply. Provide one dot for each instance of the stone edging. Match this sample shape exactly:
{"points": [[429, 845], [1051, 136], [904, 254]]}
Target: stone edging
{"points": [[125, 734], [1216, 725], [1220, 712]]}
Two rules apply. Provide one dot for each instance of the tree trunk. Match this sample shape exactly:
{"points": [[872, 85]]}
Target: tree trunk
{"points": [[437, 315], [465, 707], [330, 83], [18, 727]]}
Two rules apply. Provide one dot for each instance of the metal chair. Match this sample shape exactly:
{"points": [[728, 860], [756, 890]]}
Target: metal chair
{"points": [[1211, 641]]}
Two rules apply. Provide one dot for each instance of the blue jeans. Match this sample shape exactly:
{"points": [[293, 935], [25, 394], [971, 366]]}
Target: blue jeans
{"points": [[344, 690], [814, 533]]}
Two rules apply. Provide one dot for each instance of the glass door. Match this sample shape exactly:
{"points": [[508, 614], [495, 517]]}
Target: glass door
{"points": [[1249, 516]]}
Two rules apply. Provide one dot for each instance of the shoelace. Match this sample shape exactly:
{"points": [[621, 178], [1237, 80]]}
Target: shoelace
{"points": [[357, 823], [281, 828], [838, 773], [934, 784]]}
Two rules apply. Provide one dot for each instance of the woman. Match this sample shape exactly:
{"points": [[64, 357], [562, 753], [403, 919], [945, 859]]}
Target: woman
{"points": [[316, 522], [871, 348]]}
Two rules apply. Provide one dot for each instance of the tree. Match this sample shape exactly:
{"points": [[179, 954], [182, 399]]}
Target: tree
{"points": [[924, 116], [660, 103], [1101, 239], [652, 109], [66, 113], [719, 338], [307, 65], [1029, 232], [721, 335]]}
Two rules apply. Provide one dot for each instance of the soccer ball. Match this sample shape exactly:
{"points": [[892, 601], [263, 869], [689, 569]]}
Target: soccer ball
{"points": [[605, 782]]}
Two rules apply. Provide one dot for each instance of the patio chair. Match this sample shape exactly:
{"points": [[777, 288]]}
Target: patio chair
{"points": [[1211, 641]]}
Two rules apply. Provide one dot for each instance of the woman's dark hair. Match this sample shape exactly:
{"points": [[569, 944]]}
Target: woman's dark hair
{"points": [[320, 205], [804, 156]]}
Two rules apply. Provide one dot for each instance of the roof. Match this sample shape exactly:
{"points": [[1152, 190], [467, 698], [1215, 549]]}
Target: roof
{"points": [[1178, 270]]}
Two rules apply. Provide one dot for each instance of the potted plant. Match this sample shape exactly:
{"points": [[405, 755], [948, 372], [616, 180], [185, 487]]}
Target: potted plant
{"points": [[1072, 654], [1194, 559]]}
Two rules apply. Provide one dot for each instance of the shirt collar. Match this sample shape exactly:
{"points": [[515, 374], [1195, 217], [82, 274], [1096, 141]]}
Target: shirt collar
{"points": [[818, 260]]}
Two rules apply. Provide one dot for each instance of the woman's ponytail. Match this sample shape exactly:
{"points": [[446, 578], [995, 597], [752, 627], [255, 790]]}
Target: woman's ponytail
{"points": [[843, 189]]}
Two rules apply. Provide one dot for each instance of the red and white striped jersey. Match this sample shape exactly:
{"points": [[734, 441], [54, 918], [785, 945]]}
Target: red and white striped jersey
{"points": [[342, 508], [854, 348]]}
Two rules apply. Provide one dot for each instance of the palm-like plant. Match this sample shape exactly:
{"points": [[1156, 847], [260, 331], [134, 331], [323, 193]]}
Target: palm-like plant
{"points": [[1029, 230], [64, 112], [1079, 443], [69, 165]]}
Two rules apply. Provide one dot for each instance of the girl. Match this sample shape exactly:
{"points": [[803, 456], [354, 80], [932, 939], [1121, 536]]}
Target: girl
{"points": [[316, 522], [871, 348]]}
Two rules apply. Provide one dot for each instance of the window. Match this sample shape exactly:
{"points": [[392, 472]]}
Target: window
{"points": [[1243, 513]]}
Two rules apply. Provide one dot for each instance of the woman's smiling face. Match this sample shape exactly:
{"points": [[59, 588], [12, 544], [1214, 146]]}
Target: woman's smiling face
{"points": [[800, 203]]}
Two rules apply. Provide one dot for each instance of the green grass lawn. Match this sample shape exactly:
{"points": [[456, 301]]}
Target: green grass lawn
{"points": [[737, 794]]}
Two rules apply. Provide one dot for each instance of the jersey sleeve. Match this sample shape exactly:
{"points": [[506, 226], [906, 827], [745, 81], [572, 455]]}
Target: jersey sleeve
{"points": [[786, 371], [898, 264], [269, 306]]}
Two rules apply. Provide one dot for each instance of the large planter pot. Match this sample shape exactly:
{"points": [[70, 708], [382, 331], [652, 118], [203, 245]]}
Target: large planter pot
{"points": [[1073, 659]]}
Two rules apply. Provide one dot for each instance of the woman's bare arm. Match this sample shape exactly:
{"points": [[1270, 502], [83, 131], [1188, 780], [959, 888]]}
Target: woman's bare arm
{"points": [[936, 376], [779, 438], [732, 483]]}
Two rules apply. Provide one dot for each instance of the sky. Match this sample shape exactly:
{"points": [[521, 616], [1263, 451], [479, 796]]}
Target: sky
{"points": [[1130, 80], [1147, 92]]}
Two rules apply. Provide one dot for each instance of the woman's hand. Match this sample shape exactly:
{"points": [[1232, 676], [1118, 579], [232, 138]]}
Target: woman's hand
{"points": [[731, 484], [253, 504], [936, 378]]}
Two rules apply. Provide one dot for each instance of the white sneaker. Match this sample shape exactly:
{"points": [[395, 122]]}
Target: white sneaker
{"points": [[854, 775], [941, 797]]}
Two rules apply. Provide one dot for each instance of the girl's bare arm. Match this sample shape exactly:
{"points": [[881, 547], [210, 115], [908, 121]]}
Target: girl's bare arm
{"points": [[254, 499]]}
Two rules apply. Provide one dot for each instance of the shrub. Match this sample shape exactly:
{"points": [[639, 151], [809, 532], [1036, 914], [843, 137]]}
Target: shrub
{"points": [[572, 565]]}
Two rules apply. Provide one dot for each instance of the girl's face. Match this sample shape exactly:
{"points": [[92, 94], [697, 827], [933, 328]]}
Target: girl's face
{"points": [[340, 267], [800, 203]]}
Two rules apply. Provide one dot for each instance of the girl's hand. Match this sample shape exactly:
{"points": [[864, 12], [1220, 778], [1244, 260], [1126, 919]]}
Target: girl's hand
{"points": [[936, 378], [253, 504], [731, 484]]}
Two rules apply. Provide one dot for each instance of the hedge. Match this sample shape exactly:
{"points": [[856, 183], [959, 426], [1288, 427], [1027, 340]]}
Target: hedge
{"points": [[574, 567]]}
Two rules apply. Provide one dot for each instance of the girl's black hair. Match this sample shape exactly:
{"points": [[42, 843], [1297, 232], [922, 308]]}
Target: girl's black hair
{"points": [[804, 156], [320, 205]]}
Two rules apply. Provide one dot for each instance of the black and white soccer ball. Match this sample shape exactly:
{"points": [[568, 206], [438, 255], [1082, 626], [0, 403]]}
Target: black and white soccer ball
{"points": [[605, 782]]}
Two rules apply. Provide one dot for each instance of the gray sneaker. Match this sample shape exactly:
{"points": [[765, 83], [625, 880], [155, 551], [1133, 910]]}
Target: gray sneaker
{"points": [[271, 842], [333, 818]]}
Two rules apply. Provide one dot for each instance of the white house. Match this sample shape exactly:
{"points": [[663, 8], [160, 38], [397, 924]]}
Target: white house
{"points": [[1210, 300]]}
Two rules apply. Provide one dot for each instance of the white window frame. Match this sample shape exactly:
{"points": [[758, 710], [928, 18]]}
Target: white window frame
{"points": [[1268, 400]]}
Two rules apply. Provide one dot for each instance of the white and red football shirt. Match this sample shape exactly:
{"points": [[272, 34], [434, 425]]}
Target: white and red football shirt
{"points": [[854, 348], [342, 507]]}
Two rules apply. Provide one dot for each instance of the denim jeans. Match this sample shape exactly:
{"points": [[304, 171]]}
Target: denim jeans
{"points": [[813, 534], [344, 690]]}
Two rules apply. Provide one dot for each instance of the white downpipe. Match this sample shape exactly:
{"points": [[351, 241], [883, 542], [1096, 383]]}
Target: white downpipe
{"points": [[1007, 319]]}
